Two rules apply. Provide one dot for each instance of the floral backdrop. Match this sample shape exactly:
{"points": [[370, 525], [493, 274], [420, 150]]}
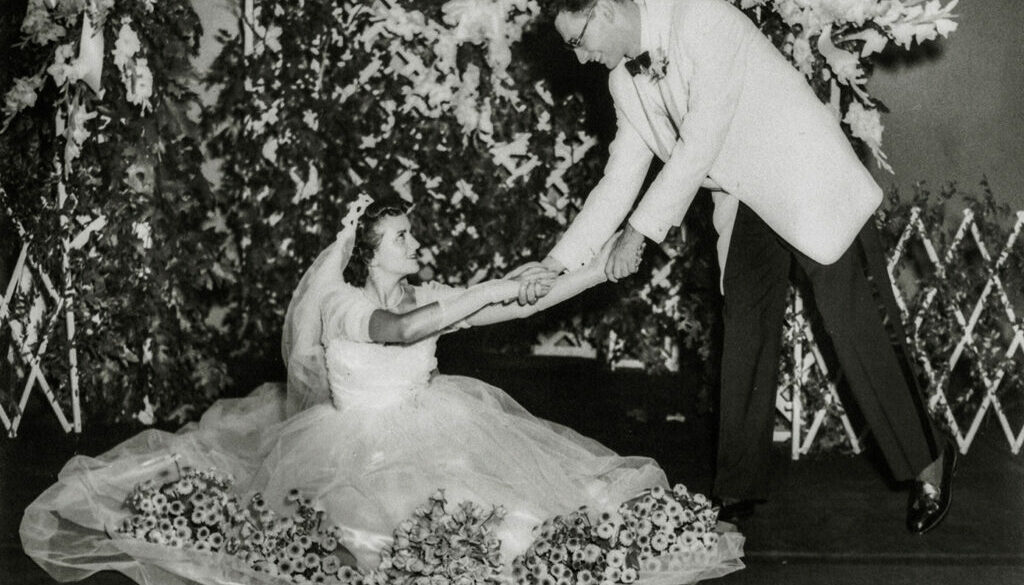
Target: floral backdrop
{"points": [[102, 155], [468, 109]]}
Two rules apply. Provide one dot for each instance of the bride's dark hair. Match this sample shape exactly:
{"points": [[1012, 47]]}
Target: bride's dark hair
{"points": [[368, 238]]}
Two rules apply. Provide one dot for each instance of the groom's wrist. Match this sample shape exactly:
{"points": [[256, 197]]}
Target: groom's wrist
{"points": [[632, 235], [553, 265]]}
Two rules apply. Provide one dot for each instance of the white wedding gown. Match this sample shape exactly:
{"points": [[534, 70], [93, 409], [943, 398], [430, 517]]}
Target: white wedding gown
{"points": [[396, 432]]}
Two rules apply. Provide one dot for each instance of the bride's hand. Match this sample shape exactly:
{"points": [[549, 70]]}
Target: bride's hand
{"points": [[503, 290]]}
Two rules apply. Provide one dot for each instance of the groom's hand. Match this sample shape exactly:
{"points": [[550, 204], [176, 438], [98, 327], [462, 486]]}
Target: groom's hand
{"points": [[626, 254]]}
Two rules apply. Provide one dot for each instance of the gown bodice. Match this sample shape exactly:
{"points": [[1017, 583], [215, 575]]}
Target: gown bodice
{"points": [[373, 374]]}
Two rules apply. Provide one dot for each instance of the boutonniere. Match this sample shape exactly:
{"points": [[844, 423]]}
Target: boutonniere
{"points": [[654, 67], [659, 66]]}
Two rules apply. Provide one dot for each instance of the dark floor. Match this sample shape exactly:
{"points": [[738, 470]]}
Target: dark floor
{"points": [[831, 520]]}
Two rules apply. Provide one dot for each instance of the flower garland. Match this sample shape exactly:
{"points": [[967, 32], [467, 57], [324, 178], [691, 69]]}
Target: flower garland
{"points": [[658, 530], [831, 43]]}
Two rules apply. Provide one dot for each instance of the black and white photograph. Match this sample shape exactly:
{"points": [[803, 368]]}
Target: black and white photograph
{"points": [[511, 292]]}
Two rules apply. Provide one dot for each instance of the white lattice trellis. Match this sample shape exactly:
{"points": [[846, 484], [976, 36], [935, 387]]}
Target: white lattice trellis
{"points": [[32, 356], [994, 291], [789, 401], [57, 303], [809, 359]]}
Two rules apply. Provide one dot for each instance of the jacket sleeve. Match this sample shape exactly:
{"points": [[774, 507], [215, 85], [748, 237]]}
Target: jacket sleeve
{"points": [[610, 200], [710, 41]]}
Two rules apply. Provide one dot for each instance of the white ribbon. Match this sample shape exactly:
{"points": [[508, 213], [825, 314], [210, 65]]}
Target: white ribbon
{"points": [[89, 64]]}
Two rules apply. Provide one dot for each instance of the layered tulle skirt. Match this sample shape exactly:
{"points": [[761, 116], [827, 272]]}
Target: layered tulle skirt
{"points": [[367, 466]]}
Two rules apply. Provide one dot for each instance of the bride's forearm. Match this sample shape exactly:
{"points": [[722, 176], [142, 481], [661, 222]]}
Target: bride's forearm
{"points": [[564, 288], [388, 327]]}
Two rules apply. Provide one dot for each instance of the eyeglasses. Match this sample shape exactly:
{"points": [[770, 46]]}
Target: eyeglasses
{"points": [[574, 43]]}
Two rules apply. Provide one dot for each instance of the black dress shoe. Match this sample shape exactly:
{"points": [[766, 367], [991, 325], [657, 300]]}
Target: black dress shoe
{"points": [[736, 510], [928, 504]]}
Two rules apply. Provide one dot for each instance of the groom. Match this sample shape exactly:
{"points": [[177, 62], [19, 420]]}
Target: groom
{"points": [[697, 85]]}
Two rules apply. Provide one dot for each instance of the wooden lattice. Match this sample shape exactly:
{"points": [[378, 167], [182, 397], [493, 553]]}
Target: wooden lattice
{"points": [[58, 303], [31, 355], [797, 383]]}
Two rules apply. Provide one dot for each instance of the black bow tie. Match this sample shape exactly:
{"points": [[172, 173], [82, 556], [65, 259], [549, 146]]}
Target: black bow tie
{"points": [[639, 64]]}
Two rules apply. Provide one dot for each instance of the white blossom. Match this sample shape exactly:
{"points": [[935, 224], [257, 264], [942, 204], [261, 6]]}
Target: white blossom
{"points": [[269, 150], [310, 119], [126, 46], [147, 415], [140, 84], [866, 124], [75, 131], [22, 95], [803, 56], [62, 70], [39, 26], [144, 232], [844, 64]]}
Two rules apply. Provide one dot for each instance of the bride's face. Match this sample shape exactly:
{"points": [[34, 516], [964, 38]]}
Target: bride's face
{"points": [[396, 253]]}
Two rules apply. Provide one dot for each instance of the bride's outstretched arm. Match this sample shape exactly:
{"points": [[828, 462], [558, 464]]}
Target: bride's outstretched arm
{"points": [[388, 327], [564, 287]]}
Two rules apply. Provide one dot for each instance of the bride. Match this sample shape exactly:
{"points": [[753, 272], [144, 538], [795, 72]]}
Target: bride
{"points": [[367, 428]]}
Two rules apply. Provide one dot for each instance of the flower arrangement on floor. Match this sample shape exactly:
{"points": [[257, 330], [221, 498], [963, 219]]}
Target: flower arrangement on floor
{"points": [[661, 528], [198, 511], [439, 544], [436, 545]]}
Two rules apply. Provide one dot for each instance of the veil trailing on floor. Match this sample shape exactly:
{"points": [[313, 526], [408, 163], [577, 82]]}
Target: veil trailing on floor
{"points": [[301, 343]]}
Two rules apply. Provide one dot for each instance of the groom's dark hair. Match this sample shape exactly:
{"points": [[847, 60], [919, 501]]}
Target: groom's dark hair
{"points": [[553, 7], [368, 238]]}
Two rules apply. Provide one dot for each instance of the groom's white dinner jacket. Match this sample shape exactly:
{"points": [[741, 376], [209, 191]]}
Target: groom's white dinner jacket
{"points": [[730, 114]]}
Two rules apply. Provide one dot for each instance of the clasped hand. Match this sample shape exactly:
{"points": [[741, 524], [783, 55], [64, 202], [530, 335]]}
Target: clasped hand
{"points": [[619, 257]]}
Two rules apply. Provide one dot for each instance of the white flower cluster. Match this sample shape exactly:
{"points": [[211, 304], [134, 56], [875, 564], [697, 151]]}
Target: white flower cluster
{"points": [[657, 529], [874, 24], [63, 69], [199, 512], [135, 72], [21, 96], [75, 129], [46, 22], [39, 25], [438, 546], [144, 232]]}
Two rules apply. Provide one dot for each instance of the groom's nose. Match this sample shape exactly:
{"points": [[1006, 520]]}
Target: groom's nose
{"points": [[581, 55]]}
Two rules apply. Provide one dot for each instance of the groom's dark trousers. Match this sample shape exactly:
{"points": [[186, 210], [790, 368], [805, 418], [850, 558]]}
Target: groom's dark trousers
{"points": [[879, 372]]}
